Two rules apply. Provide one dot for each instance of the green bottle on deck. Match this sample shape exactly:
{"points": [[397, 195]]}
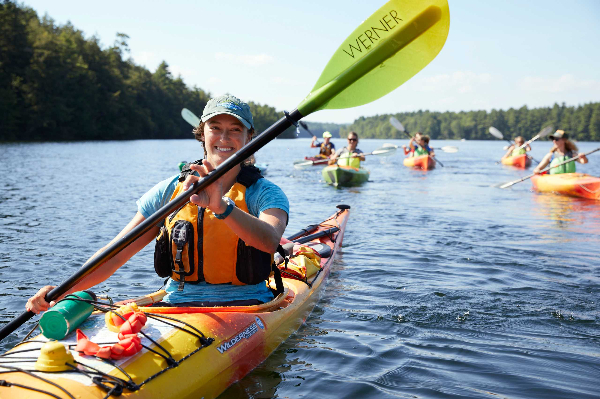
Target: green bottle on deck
{"points": [[67, 315]]}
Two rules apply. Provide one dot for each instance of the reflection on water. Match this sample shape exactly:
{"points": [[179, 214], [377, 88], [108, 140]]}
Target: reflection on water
{"points": [[568, 212], [447, 285]]}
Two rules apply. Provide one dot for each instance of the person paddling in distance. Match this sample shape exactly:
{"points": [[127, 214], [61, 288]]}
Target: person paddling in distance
{"points": [[326, 147], [422, 146], [514, 149], [240, 219], [410, 148], [349, 155], [562, 150]]}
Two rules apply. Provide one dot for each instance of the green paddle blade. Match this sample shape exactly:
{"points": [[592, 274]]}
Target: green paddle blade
{"points": [[386, 50]]}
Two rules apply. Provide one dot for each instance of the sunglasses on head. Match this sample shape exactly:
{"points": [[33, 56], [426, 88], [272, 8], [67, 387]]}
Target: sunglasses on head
{"points": [[352, 139]]}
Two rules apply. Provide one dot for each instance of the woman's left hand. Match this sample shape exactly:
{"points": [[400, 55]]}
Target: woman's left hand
{"points": [[212, 196]]}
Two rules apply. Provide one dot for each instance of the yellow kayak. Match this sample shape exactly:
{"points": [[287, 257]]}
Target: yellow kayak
{"points": [[188, 352]]}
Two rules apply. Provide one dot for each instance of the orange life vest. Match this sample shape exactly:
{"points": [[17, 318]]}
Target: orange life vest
{"points": [[196, 246], [326, 149]]}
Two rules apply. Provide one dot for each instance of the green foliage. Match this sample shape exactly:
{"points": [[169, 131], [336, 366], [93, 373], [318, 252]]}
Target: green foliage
{"points": [[57, 85], [581, 122]]}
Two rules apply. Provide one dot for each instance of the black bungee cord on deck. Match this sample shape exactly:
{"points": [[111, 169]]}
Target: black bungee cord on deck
{"points": [[114, 386]]}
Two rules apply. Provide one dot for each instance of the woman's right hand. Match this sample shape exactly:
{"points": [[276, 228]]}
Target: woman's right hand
{"points": [[37, 303]]}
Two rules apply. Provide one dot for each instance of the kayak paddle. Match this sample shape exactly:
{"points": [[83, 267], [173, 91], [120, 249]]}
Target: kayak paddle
{"points": [[190, 117], [396, 123], [384, 51], [498, 134], [306, 163], [447, 148], [545, 131], [305, 127], [512, 183], [384, 151]]}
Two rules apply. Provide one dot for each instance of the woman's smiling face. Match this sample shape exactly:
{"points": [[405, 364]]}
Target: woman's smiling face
{"points": [[224, 135]]}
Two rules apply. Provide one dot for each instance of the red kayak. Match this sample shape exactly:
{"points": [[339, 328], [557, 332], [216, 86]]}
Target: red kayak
{"points": [[521, 161], [424, 162]]}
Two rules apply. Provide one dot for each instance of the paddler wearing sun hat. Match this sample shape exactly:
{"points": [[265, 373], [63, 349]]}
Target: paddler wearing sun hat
{"points": [[326, 147], [562, 150], [232, 227]]}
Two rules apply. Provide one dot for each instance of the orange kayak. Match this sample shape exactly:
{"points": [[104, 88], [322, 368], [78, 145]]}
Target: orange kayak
{"points": [[188, 352], [572, 184], [518, 161], [424, 162]]}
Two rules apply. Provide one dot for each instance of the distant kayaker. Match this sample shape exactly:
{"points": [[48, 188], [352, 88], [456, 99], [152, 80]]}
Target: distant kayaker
{"points": [[349, 155], [419, 146], [409, 149], [562, 150], [515, 149], [326, 147], [242, 219]]}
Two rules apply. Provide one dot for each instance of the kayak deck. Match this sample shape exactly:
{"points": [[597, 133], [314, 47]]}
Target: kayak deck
{"points": [[424, 162], [518, 161], [571, 184], [188, 352], [337, 175]]}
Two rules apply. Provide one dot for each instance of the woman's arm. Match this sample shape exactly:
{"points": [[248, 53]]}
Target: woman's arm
{"points": [[544, 162], [263, 233], [411, 143], [583, 159], [508, 152], [37, 303]]}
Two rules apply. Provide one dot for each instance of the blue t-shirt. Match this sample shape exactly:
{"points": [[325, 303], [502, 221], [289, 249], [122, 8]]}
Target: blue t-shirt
{"points": [[260, 196]]}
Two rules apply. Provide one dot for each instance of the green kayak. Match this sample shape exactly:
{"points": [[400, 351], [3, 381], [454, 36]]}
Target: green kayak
{"points": [[344, 175]]}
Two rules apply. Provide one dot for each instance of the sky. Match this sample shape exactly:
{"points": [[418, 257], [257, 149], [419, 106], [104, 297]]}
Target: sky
{"points": [[498, 55]]}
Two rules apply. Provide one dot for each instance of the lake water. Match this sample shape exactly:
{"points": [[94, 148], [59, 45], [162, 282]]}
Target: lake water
{"points": [[447, 286]]}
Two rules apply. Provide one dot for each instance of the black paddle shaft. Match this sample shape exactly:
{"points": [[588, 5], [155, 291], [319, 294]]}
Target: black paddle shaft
{"points": [[254, 145]]}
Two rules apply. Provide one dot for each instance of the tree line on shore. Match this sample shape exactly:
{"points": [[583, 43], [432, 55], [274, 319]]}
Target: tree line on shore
{"points": [[581, 122], [57, 85]]}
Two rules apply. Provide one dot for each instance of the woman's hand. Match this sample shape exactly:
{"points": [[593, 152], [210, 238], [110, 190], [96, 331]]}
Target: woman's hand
{"points": [[37, 303], [212, 196]]}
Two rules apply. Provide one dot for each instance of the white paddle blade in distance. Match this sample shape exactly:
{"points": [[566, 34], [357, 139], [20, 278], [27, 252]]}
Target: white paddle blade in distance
{"points": [[545, 131], [496, 133], [396, 123], [386, 150], [449, 148], [190, 117]]}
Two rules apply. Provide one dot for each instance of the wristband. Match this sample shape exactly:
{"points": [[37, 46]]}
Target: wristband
{"points": [[230, 206]]}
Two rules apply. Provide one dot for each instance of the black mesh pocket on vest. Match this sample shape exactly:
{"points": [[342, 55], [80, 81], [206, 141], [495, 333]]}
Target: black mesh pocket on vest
{"points": [[253, 265], [162, 254]]}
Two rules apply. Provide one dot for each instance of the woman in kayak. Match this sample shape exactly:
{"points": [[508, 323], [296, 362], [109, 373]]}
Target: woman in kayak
{"points": [[562, 150], [326, 147], [224, 253], [349, 155], [515, 149]]}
